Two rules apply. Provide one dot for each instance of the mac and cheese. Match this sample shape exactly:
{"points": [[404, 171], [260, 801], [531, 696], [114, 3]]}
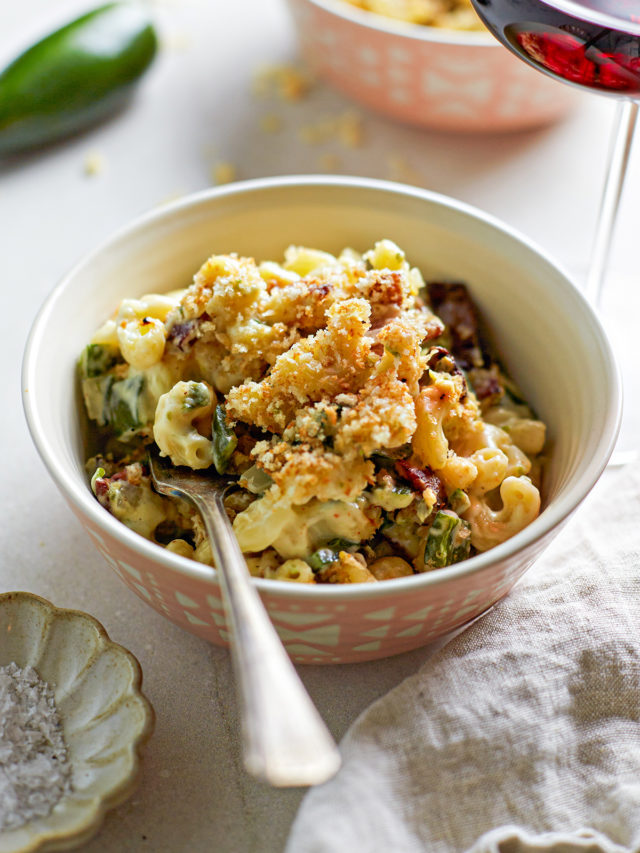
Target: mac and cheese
{"points": [[371, 433]]}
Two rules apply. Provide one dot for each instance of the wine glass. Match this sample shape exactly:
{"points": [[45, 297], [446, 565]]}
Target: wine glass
{"points": [[593, 44]]}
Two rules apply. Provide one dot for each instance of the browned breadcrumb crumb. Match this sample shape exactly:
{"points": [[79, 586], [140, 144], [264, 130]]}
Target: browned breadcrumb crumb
{"points": [[399, 169], [223, 172], [346, 128], [283, 81], [94, 163], [330, 162], [271, 123], [351, 129]]}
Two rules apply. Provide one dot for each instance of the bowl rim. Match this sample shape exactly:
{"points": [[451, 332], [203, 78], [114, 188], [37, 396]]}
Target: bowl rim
{"points": [[81, 498], [405, 29], [42, 840]]}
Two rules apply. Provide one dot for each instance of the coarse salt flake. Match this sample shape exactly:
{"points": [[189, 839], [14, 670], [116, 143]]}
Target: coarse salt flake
{"points": [[35, 772]]}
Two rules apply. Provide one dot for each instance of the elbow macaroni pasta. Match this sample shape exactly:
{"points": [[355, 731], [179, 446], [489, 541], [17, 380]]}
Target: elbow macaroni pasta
{"points": [[140, 329], [520, 506], [174, 428], [141, 341]]}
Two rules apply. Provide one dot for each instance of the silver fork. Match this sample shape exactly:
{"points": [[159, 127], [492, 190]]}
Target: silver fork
{"points": [[285, 741]]}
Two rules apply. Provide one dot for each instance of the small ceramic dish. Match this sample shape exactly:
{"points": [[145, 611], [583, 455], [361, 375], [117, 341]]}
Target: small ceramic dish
{"points": [[448, 80], [105, 718]]}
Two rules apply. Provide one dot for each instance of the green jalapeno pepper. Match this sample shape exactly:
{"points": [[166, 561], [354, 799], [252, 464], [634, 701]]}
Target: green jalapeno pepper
{"points": [[74, 77]]}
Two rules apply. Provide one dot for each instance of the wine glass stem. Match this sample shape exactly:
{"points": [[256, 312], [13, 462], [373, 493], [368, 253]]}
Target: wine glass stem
{"points": [[624, 126]]}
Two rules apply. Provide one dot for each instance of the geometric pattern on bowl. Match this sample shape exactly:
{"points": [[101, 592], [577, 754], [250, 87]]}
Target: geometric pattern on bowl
{"points": [[450, 81], [323, 632], [105, 718]]}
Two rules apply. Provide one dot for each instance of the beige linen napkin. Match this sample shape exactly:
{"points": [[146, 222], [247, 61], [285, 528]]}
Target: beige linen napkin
{"points": [[523, 733]]}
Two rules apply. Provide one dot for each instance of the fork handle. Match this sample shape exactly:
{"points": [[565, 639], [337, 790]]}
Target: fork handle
{"points": [[286, 742]]}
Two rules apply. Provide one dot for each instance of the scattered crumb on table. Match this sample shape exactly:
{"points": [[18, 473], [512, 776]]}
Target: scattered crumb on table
{"points": [[94, 163], [223, 172], [346, 128], [330, 162], [399, 169], [285, 81], [271, 123], [178, 42]]}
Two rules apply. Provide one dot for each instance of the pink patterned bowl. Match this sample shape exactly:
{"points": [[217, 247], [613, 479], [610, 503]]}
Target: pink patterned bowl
{"points": [[549, 337], [441, 79]]}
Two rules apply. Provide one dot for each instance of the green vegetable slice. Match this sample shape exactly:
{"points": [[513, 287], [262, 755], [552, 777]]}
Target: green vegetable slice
{"points": [[321, 558], [97, 475], [97, 359], [256, 480], [341, 544], [122, 404], [459, 501], [224, 440], [198, 396], [448, 541], [75, 76], [390, 499]]}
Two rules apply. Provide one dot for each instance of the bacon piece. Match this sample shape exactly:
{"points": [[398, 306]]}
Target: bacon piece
{"points": [[184, 335], [422, 479], [132, 474], [486, 385], [452, 303], [434, 362], [102, 487]]}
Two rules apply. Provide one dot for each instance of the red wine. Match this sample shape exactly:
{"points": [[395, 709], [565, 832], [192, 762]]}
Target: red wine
{"points": [[591, 43]]}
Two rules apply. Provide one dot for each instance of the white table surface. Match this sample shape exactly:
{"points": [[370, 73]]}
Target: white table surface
{"points": [[196, 107]]}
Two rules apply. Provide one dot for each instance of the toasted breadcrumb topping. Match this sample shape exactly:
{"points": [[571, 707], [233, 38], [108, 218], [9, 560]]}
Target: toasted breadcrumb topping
{"points": [[329, 363]]}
